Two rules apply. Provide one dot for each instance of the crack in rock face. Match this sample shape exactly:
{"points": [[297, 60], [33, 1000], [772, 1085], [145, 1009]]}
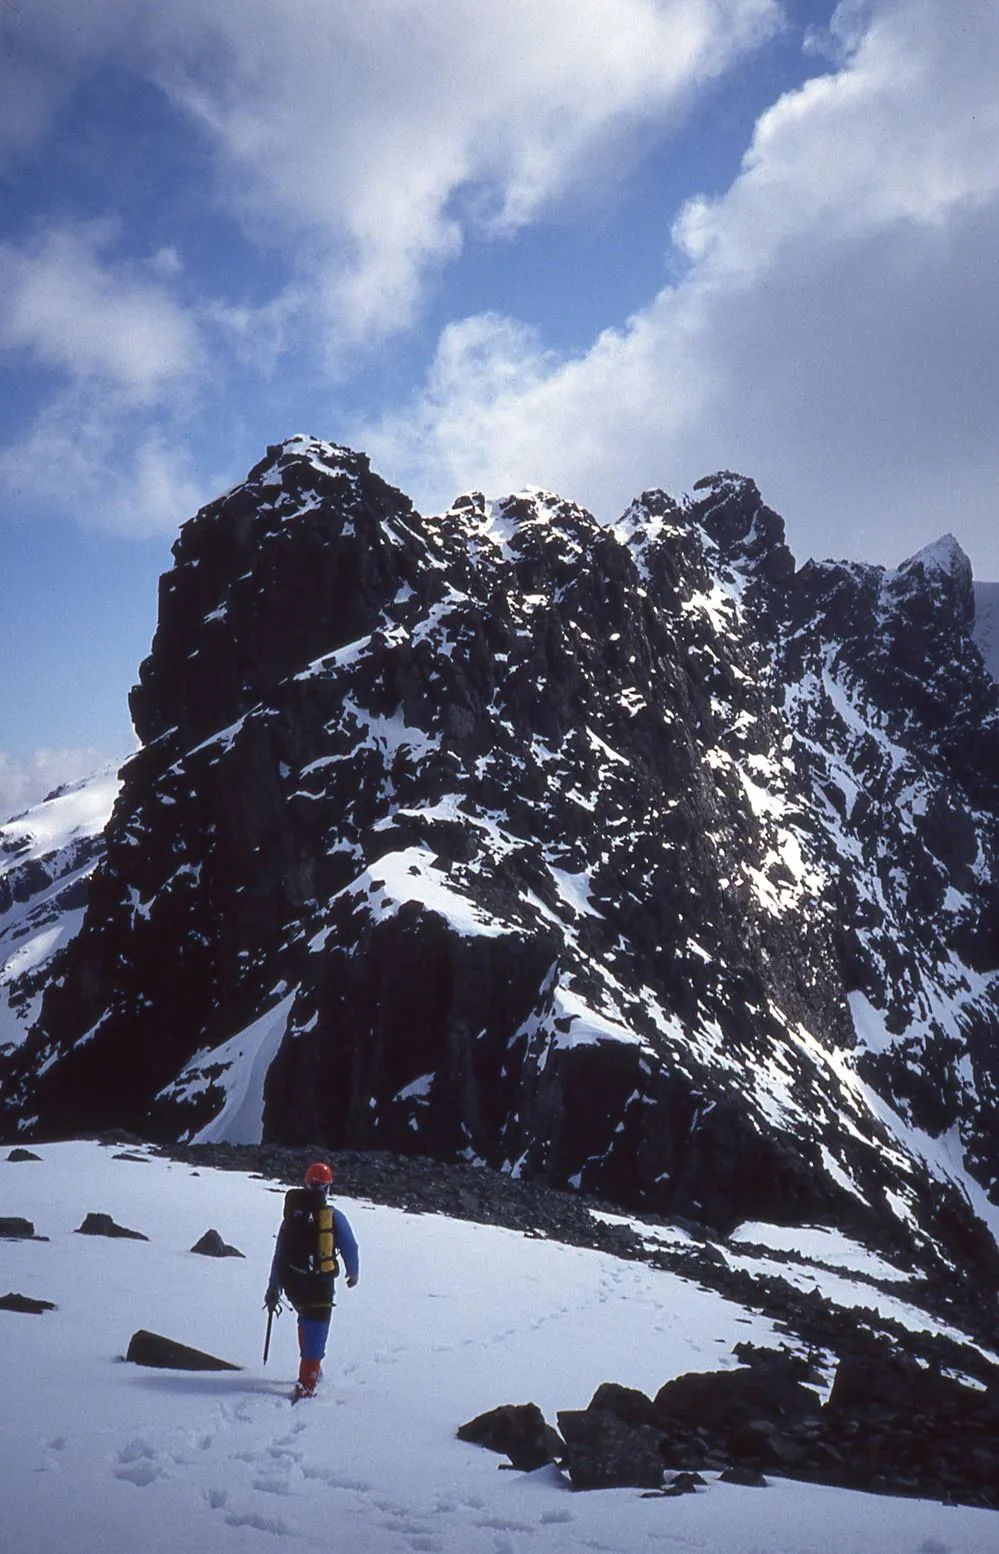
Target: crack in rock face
{"points": [[628, 858]]}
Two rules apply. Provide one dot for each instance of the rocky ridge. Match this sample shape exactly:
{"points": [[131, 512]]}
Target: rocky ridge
{"points": [[633, 859]]}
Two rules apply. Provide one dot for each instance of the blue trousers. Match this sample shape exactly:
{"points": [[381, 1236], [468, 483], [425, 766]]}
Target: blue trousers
{"points": [[312, 1333]]}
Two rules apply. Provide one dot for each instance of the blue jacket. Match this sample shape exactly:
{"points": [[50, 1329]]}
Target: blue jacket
{"points": [[344, 1240]]}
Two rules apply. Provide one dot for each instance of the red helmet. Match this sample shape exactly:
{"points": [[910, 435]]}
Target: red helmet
{"points": [[318, 1175]]}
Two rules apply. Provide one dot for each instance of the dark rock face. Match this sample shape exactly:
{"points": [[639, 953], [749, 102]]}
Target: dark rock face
{"points": [[734, 1398], [754, 1415], [748, 1478], [625, 1403], [517, 1429], [166, 1354], [14, 1228], [25, 1304], [104, 1225], [212, 1245], [602, 1452], [628, 858]]}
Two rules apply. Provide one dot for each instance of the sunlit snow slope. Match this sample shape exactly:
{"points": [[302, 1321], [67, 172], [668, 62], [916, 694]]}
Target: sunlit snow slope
{"points": [[449, 1319], [46, 858]]}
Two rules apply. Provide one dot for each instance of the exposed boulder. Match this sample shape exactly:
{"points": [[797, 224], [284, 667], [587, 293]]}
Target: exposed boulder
{"points": [[104, 1225], [625, 1403], [679, 1484], [895, 1424], [519, 1430], [17, 1156], [602, 1452], [212, 1245], [726, 1401], [14, 1228], [890, 1425], [25, 1303], [874, 1377], [749, 1478], [166, 1354]]}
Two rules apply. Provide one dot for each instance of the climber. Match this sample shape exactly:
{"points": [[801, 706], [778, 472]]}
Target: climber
{"points": [[305, 1267]]}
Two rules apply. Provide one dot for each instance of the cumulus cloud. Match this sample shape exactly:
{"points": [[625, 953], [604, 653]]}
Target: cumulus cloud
{"points": [[378, 134], [110, 444], [26, 781], [360, 144], [66, 302], [831, 329], [834, 332], [92, 457], [366, 140]]}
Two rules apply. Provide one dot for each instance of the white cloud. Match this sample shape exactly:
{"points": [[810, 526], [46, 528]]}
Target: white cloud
{"points": [[833, 330], [360, 143], [166, 262], [366, 140], [67, 303], [110, 444], [26, 781], [92, 457], [835, 333], [377, 134]]}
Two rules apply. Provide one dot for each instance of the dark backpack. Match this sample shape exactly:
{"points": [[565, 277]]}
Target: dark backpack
{"points": [[308, 1244]]}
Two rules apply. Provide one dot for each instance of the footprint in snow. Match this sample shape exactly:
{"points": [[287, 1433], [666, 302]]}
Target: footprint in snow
{"points": [[139, 1463], [415, 1534], [504, 1524], [281, 1450], [335, 1480], [273, 1484], [259, 1523]]}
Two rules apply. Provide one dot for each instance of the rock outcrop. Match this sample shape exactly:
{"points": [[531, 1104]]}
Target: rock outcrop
{"points": [[153, 1349], [887, 1425], [629, 858], [104, 1225]]}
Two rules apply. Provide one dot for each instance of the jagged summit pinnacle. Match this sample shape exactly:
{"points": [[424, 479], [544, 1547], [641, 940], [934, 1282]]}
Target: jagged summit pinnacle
{"points": [[327, 456], [944, 563], [943, 555], [726, 482]]}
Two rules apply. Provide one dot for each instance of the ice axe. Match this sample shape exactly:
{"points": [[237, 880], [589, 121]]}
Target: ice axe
{"points": [[272, 1311]]}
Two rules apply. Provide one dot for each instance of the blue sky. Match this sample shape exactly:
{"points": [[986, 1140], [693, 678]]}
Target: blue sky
{"points": [[594, 245]]}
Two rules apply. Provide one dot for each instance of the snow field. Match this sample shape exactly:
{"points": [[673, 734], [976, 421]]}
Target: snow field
{"points": [[449, 1319]]}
